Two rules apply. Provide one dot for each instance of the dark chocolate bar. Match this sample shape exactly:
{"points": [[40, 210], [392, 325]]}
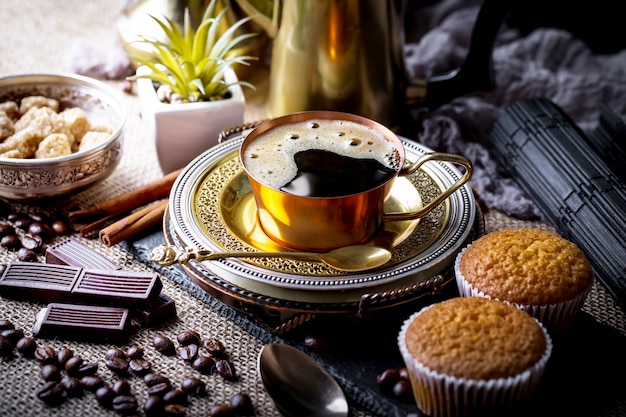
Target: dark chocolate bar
{"points": [[161, 310], [53, 283], [82, 322], [75, 253]]}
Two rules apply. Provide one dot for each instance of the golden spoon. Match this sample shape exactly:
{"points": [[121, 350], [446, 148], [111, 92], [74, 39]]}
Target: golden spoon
{"points": [[348, 258]]}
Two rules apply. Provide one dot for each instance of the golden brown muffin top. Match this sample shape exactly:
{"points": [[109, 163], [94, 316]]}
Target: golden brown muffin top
{"points": [[526, 266], [475, 338]]}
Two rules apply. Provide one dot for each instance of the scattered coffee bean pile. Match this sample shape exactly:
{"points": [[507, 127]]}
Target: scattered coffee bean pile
{"points": [[189, 350], [26, 234], [66, 374]]}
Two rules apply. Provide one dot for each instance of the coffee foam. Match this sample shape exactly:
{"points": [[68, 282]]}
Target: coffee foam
{"points": [[270, 157]]}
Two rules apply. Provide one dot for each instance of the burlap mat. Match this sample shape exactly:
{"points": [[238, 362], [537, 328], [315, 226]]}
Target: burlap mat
{"points": [[35, 35]]}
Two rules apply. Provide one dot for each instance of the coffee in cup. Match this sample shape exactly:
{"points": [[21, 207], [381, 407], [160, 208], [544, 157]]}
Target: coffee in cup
{"points": [[322, 158]]}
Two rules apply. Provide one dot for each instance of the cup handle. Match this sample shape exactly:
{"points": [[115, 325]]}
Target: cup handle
{"points": [[432, 156]]}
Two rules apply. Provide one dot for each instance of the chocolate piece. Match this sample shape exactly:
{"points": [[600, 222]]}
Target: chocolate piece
{"points": [[93, 323], [160, 310], [75, 253], [63, 283], [38, 282], [121, 288]]}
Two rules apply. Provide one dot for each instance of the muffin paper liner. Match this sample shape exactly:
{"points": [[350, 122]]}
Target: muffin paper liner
{"points": [[556, 318], [439, 395]]}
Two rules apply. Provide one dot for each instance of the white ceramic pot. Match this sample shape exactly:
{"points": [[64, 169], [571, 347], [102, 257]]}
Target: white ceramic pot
{"points": [[181, 132]]}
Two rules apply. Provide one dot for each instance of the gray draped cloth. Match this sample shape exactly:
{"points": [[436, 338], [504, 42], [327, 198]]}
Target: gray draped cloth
{"points": [[547, 62]]}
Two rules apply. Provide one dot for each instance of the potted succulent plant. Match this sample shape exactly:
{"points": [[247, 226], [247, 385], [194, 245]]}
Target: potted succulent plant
{"points": [[188, 91]]}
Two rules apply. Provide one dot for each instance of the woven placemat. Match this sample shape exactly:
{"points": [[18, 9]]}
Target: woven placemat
{"points": [[21, 376]]}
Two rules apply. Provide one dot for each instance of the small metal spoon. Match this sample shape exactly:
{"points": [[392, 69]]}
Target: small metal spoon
{"points": [[298, 385], [348, 258]]}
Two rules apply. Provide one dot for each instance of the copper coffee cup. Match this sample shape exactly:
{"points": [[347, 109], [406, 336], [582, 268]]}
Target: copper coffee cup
{"points": [[323, 223]]}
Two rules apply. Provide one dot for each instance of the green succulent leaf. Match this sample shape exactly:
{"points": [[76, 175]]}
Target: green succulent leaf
{"points": [[192, 62]]}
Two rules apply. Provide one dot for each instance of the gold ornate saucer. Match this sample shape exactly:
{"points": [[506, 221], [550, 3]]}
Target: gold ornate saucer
{"points": [[230, 221], [211, 207]]}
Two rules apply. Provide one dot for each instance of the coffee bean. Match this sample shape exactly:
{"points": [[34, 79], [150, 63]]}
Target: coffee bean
{"points": [[164, 345], [403, 391], [105, 395], [63, 355], [204, 364], [6, 229], [22, 222], [175, 410], [26, 346], [153, 379], [226, 369], [140, 366], [11, 242], [134, 352], [315, 341], [13, 335], [387, 379], [51, 392], [121, 386], [26, 255], [60, 227], [115, 353], [6, 347], [89, 368], [38, 217], [72, 365], [12, 216], [193, 386], [125, 404], [92, 382], [176, 396], [404, 373], [40, 229], [241, 403], [117, 365], [160, 389], [188, 352], [221, 410], [73, 387], [188, 337], [50, 372], [32, 242], [6, 325], [154, 406], [45, 354], [214, 346]]}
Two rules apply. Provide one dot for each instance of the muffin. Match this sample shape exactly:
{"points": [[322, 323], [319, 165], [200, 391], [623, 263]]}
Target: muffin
{"points": [[538, 271], [472, 355]]}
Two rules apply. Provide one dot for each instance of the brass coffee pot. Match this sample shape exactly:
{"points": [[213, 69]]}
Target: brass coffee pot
{"points": [[347, 55]]}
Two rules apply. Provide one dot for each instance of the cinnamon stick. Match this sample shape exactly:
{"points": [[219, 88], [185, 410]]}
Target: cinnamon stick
{"points": [[128, 201], [133, 224]]}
